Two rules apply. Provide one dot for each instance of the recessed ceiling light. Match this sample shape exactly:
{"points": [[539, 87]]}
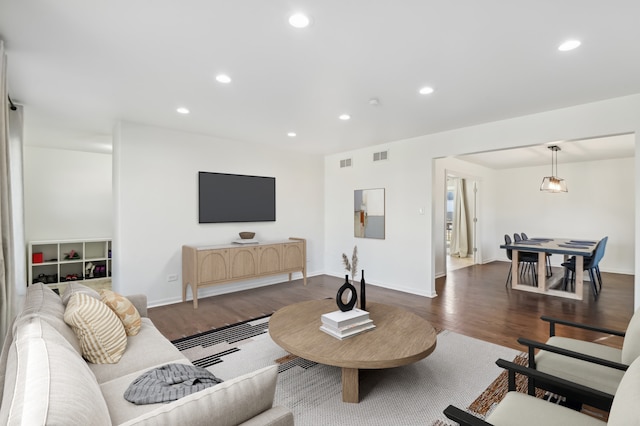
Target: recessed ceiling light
{"points": [[292, 134], [426, 90], [344, 117], [569, 45], [183, 110], [223, 78], [299, 20]]}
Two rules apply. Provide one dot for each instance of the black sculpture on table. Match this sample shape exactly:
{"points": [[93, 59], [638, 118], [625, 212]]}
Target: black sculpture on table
{"points": [[352, 299]]}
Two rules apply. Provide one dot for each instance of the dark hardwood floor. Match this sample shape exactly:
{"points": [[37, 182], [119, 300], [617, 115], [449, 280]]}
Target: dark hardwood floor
{"points": [[472, 301]]}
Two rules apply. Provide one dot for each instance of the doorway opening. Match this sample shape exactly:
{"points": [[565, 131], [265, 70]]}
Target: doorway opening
{"points": [[460, 221]]}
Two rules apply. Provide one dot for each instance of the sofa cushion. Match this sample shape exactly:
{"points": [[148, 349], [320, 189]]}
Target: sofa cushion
{"points": [[44, 302], [73, 288], [100, 332], [229, 403], [124, 309], [48, 382], [145, 350], [113, 391]]}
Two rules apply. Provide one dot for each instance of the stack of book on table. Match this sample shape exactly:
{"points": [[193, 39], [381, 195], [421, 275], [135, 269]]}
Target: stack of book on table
{"points": [[346, 324]]}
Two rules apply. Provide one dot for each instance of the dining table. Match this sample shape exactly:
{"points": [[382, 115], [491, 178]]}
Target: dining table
{"points": [[543, 246]]}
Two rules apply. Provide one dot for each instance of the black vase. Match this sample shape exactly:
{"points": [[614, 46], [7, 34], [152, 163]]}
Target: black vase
{"points": [[352, 300], [363, 293]]}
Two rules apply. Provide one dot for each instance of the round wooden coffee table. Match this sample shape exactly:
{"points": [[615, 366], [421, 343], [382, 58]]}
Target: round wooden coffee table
{"points": [[400, 338]]}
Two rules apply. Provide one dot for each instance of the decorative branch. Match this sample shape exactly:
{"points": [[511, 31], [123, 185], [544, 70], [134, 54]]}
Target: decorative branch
{"points": [[345, 261], [353, 265]]}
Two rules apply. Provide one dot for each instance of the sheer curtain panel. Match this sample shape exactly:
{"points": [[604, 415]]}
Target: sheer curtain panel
{"points": [[12, 249], [459, 233]]}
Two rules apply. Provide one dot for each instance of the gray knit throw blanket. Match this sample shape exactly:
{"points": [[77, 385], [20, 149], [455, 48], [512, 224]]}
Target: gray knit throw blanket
{"points": [[168, 383]]}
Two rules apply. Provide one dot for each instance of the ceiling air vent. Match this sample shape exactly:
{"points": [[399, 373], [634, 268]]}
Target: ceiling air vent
{"points": [[345, 163], [380, 156]]}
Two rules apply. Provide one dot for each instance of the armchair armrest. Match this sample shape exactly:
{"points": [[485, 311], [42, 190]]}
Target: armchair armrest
{"points": [[557, 385], [553, 321], [572, 354], [462, 417]]}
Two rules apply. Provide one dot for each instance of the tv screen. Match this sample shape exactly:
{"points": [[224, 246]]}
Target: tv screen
{"points": [[236, 198]]}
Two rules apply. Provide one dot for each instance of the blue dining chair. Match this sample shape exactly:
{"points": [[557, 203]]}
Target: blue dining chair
{"points": [[529, 260], [547, 255], [591, 264]]}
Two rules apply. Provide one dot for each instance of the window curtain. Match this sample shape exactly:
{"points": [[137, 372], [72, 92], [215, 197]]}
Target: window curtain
{"points": [[12, 264], [459, 233]]}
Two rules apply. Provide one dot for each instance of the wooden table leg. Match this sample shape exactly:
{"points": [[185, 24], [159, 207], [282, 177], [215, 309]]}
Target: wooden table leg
{"points": [[579, 276], [350, 385], [515, 269], [542, 271]]}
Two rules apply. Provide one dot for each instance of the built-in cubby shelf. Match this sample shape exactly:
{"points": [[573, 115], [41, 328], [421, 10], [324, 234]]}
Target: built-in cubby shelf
{"points": [[63, 261]]}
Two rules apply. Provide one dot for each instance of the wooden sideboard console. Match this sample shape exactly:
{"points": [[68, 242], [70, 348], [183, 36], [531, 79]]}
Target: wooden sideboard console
{"points": [[213, 265]]}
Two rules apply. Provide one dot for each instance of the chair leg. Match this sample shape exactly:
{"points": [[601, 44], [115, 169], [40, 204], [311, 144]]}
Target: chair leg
{"points": [[565, 280], [549, 270], [508, 276], [594, 285], [572, 280], [599, 279]]}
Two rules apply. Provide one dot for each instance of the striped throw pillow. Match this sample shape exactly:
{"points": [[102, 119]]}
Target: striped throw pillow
{"points": [[99, 330]]}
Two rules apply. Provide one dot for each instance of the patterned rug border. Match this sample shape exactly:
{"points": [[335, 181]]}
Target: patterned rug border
{"points": [[214, 330]]}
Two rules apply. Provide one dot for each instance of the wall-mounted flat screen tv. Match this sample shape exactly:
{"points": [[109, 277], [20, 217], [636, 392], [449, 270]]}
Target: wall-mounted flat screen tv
{"points": [[236, 198]]}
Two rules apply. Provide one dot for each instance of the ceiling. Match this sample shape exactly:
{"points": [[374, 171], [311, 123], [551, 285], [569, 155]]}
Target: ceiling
{"points": [[78, 66], [592, 149]]}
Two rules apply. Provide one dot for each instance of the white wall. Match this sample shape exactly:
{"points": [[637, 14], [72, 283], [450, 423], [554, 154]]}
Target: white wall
{"points": [[406, 259], [399, 261], [155, 205], [67, 194]]}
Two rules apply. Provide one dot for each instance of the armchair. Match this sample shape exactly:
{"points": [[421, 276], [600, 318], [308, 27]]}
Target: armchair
{"points": [[589, 364], [521, 409]]}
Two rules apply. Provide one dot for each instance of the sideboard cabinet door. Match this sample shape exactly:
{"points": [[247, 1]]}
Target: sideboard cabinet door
{"points": [[213, 265], [243, 262], [292, 257]]}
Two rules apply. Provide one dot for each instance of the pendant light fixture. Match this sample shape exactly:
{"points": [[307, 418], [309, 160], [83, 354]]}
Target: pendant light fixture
{"points": [[553, 183]]}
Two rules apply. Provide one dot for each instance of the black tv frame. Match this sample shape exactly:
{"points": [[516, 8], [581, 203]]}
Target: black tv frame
{"points": [[228, 198]]}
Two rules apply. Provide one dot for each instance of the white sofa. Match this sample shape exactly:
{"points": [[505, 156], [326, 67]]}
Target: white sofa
{"points": [[45, 380]]}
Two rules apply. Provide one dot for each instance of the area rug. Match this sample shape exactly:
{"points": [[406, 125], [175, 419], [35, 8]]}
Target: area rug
{"points": [[457, 372]]}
